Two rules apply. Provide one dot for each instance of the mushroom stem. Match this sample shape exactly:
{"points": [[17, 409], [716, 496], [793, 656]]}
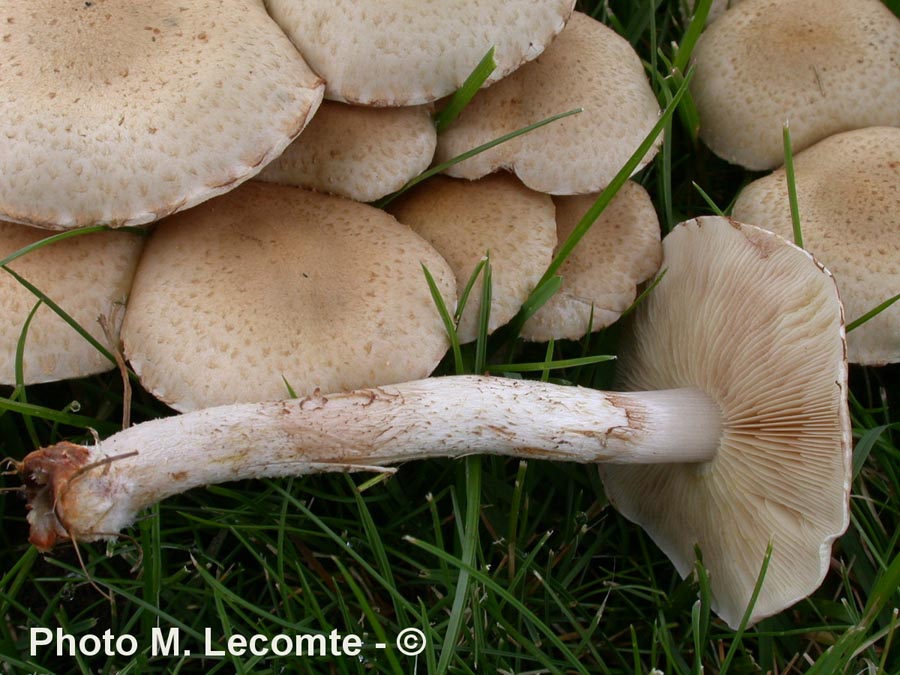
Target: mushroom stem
{"points": [[89, 493]]}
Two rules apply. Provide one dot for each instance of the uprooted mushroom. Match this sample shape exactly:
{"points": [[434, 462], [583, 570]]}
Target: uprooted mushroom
{"points": [[746, 416]]}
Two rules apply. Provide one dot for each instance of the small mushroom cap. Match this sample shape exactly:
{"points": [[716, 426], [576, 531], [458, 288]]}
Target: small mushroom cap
{"points": [[397, 53], [588, 66], [356, 152], [822, 65], [601, 275], [271, 283], [464, 220], [848, 193], [756, 324], [88, 276], [122, 113]]}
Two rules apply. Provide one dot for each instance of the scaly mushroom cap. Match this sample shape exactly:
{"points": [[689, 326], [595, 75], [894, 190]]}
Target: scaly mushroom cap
{"points": [[271, 282], [396, 52], [356, 152], [848, 193], [776, 367], [825, 66], [601, 275], [88, 276], [588, 66], [122, 113], [464, 220]]}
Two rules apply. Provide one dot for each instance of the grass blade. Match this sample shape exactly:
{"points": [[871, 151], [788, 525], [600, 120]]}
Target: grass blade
{"points": [[469, 550], [739, 633], [559, 364], [485, 580], [68, 234], [447, 319], [464, 94], [872, 313], [69, 419], [433, 171], [791, 184], [62, 314], [617, 182], [689, 41]]}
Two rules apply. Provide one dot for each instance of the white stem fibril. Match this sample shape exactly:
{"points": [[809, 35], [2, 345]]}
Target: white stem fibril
{"points": [[104, 486]]}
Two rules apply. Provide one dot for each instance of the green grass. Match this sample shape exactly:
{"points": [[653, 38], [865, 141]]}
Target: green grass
{"points": [[506, 566]]}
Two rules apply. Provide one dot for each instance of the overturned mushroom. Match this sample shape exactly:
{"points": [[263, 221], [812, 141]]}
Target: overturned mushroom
{"points": [[752, 411]]}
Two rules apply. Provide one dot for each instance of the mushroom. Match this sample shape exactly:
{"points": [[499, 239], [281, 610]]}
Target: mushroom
{"points": [[848, 194], [825, 66], [122, 113], [87, 276], [747, 417], [399, 53], [600, 277], [495, 215], [356, 152], [588, 66], [269, 285]]}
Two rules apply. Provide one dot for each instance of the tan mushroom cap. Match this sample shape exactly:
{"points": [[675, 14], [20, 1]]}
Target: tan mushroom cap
{"points": [[356, 152], [396, 52], [777, 369], [601, 275], [122, 113], [825, 66], [848, 193], [88, 276], [588, 66], [464, 220], [271, 283]]}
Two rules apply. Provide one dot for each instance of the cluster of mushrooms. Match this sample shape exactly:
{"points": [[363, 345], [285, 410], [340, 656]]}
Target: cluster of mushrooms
{"points": [[734, 366]]}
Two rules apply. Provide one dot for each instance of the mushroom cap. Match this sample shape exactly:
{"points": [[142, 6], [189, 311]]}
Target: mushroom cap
{"points": [[848, 194], [356, 152], [601, 275], [406, 53], [271, 283], [122, 113], [464, 220], [756, 324], [588, 66], [822, 65], [88, 276]]}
